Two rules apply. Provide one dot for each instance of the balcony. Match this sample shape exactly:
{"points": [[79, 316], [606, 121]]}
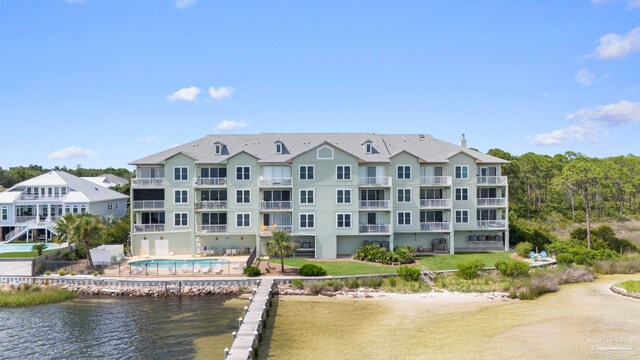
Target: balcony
{"points": [[374, 229], [211, 205], [270, 181], [375, 181], [492, 180], [374, 204], [435, 203], [148, 228], [267, 230], [492, 202], [22, 219], [148, 205], [220, 228], [275, 205], [211, 182], [435, 226], [492, 224], [147, 182], [435, 180]]}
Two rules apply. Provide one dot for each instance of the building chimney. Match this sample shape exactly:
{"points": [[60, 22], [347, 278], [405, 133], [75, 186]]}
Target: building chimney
{"points": [[463, 141]]}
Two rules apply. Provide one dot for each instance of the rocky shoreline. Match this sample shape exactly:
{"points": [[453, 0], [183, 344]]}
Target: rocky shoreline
{"points": [[368, 293], [157, 291], [623, 292]]}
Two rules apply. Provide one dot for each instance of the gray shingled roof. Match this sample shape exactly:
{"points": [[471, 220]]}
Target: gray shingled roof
{"points": [[262, 146], [92, 191]]}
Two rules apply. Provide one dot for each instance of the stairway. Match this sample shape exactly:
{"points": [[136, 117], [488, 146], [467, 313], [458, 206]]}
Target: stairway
{"points": [[30, 225]]}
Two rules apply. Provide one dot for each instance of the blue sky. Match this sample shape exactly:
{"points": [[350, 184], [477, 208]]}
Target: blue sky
{"points": [[101, 83]]}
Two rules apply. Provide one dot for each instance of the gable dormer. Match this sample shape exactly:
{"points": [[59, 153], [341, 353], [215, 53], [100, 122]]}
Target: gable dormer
{"points": [[368, 147], [218, 148], [279, 147]]}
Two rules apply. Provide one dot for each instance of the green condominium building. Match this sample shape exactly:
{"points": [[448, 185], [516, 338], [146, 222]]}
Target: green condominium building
{"points": [[333, 192]]}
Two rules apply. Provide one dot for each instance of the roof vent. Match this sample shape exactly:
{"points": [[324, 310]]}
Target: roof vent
{"points": [[463, 141], [421, 137]]}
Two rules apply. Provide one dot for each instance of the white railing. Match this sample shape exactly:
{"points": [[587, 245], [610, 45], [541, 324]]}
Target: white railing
{"points": [[435, 180], [47, 223], [221, 228], [435, 226], [275, 205], [148, 227], [148, 204], [492, 180], [218, 181], [23, 219], [374, 229], [211, 205], [19, 230], [269, 229], [374, 204], [492, 202], [147, 182], [435, 203], [275, 181], [375, 181], [492, 224]]}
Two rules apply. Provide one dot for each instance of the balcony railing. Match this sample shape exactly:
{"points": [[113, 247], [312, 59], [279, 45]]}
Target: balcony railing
{"points": [[275, 181], [270, 229], [375, 181], [492, 180], [21, 219], [211, 205], [147, 182], [435, 180], [496, 202], [220, 228], [218, 181], [374, 229], [148, 204], [435, 203], [275, 205], [492, 224], [374, 204], [435, 226], [148, 227]]}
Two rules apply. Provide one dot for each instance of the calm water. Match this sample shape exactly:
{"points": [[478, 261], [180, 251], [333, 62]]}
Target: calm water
{"points": [[123, 328]]}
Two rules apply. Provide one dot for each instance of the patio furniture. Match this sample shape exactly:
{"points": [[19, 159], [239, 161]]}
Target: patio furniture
{"points": [[439, 245], [217, 270]]}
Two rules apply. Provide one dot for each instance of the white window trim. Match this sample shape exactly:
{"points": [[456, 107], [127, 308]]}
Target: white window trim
{"points": [[324, 158], [350, 172], [368, 148], [279, 148], [403, 166], [306, 227], [314, 172], [463, 187], [243, 214], [404, 201], [235, 176], [461, 166], [455, 216], [300, 197], [180, 167], [404, 212], [174, 197], [180, 213], [4, 208], [218, 149], [350, 218], [350, 197], [236, 197]]}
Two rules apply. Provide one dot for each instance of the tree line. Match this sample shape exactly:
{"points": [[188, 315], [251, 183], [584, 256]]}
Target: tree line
{"points": [[14, 175]]}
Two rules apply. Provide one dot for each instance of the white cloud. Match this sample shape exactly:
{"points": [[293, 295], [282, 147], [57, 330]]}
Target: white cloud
{"points": [[584, 77], [71, 152], [183, 4], [230, 125], [150, 138], [592, 123], [185, 94], [612, 46], [220, 93], [633, 4]]}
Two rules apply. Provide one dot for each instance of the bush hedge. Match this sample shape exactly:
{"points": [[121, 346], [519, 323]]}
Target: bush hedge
{"points": [[512, 268], [252, 271], [524, 249], [375, 253], [469, 270], [312, 270], [408, 273]]}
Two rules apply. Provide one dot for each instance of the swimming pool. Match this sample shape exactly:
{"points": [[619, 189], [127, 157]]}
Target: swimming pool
{"points": [[178, 264], [4, 248]]}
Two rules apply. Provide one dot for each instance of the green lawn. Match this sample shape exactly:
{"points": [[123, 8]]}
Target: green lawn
{"points": [[449, 262], [22, 254], [632, 286]]}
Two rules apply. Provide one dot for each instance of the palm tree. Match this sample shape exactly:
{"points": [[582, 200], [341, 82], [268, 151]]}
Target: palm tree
{"points": [[62, 228], [280, 245], [39, 248], [80, 229]]}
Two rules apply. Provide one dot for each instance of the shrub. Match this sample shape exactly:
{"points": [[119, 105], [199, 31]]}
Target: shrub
{"points": [[331, 285], [564, 259], [47, 272], [352, 283], [534, 286], [375, 253], [297, 283], [392, 281], [95, 273], [252, 271], [469, 270], [512, 268], [408, 273], [312, 270], [72, 273], [372, 282], [313, 287], [62, 272], [405, 254], [574, 274], [524, 248]]}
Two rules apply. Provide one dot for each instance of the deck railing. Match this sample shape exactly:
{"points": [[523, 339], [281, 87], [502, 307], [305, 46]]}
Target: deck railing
{"points": [[492, 180], [374, 204], [275, 181], [435, 226], [148, 204], [375, 181], [148, 227], [220, 228], [374, 229], [270, 229], [435, 203], [147, 182], [499, 202], [217, 181], [275, 205], [492, 224], [211, 205], [435, 180]]}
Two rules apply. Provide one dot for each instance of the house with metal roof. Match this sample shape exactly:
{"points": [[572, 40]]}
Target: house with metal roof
{"points": [[333, 192], [107, 180], [29, 210]]}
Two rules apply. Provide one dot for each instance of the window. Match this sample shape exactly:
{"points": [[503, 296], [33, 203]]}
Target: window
{"points": [[218, 149], [214, 218], [462, 172], [4, 215], [431, 216], [343, 220], [180, 196], [83, 209], [462, 216], [487, 193], [306, 172], [307, 221], [404, 172], [213, 172], [368, 148], [404, 195], [278, 148], [109, 205], [306, 197], [343, 172], [404, 218], [462, 194], [180, 219], [243, 173], [243, 196], [243, 220], [343, 196], [180, 173]]}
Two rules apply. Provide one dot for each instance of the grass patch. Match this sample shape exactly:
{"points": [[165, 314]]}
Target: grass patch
{"points": [[450, 262], [632, 286], [22, 254], [482, 283], [29, 295], [624, 265], [391, 284], [340, 268]]}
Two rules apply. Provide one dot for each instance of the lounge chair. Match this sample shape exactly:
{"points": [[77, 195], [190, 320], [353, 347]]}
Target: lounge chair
{"points": [[543, 256], [217, 270], [196, 269], [532, 254], [239, 266], [172, 271]]}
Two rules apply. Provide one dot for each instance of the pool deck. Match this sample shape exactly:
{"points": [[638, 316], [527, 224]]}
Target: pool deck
{"points": [[234, 267]]}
